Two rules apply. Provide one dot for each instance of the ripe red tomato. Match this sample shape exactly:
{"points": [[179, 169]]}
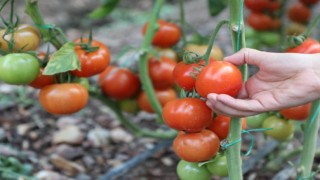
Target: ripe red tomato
{"points": [[63, 98], [167, 35], [92, 63], [119, 83], [219, 77], [42, 80], [196, 147], [298, 12], [185, 75], [163, 97], [161, 72], [260, 21], [297, 112], [309, 2], [309, 46], [187, 114], [257, 5], [220, 126]]}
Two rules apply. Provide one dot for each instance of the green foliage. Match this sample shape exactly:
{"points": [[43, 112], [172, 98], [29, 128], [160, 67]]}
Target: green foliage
{"points": [[107, 6], [11, 169], [63, 60], [216, 6]]}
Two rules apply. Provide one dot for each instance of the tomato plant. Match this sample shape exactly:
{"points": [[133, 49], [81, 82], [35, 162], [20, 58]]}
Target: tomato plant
{"points": [[256, 121], [94, 62], [309, 46], [18, 68], [25, 37], [161, 72], [296, 113], [187, 114], [220, 126], [215, 54], [185, 75], [167, 35], [298, 12], [64, 98], [191, 171], [119, 83], [218, 167], [163, 96], [196, 147], [281, 129], [219, 77]]}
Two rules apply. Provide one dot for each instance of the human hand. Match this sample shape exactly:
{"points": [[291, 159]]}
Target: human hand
{"points": [[283, 80]]}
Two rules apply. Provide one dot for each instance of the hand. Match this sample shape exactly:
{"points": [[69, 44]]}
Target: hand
{"points": [[283, 80]]}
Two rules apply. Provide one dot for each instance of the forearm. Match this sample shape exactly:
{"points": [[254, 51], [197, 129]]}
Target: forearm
{"points": [[316, 66]]}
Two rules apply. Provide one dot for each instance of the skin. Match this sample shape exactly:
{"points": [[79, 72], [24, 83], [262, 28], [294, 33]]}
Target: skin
{"points": [[283, 80]]}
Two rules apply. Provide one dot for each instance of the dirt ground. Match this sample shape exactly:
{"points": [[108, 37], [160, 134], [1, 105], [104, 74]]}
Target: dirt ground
{"points": [[88, 144]]}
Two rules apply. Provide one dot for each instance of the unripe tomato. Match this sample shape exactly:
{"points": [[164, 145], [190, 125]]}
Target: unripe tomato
{"points": [[18, 68], [187, 114], [309, 46], [62, 99], [167, 52], [42, 80], [281, 129], [167, 35], [256, 121], [216, 52], [298, 12], [219, 77], [219, 166], [94, 62], [191, 171], [185, 75], [296, 113], [161, 72], [196, 147], [25, 37], [129, 105], [163, 96], [119, 83], [295, 28]]}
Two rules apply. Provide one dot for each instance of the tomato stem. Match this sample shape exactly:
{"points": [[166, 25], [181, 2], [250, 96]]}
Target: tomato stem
{"points": [[143, 63], [311, 26], [309, 142], [183, 23]]}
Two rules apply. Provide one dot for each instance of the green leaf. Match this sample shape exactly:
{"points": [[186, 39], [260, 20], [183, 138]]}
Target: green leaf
{"points": [[105, 9], [63, 60], [216, 6]]}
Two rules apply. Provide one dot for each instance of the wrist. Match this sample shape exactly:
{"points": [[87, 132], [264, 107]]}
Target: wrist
{"points": [[316, 67]]}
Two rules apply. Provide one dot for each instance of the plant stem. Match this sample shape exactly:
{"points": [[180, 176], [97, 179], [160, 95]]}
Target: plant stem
{"points": [[309, 142], [311, 26], [183, 23], [143, 63], [32, 9], [238, 40]]}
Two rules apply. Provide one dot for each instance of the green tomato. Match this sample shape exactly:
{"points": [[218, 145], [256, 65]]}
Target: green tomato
{"points": [[84, 82], [219, 166], [282, 129], [256, 120], [269, 38], [191, 171], [18, 68], [129, 106]]}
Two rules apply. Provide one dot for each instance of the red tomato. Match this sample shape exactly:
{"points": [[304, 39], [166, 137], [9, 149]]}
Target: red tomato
{"points": [[260, 21], [42, 80], [309, 2], [185, 75], [297, 112], [119, 83], [161, 72], [257, 5], [219, 77], [92, 63], [274, 5], [298, 12], [196, 147], [187, 114], [220, 126], [309, 46], [163, 97], [63, 98], [167, 35]]}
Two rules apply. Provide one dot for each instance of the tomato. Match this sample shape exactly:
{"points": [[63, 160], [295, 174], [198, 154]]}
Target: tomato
{"points": [[298, 12], [281, 128], [18, 68], [216, 52], [163, 97], [309, 2], [42, 80], [161, 72], [219, 77], [119, 83], [167, 35], [257, 5], [297, 112], [92, 63], [256, 121], [168, 52], [129, 105], [219, 166], [220, 126], [274, 5], [295, 28], [309, 46], [25, 37], [185, 75], [191, 171], [62, 99], [196, 147], [269, 38], [260, 21], [187, 114]]}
